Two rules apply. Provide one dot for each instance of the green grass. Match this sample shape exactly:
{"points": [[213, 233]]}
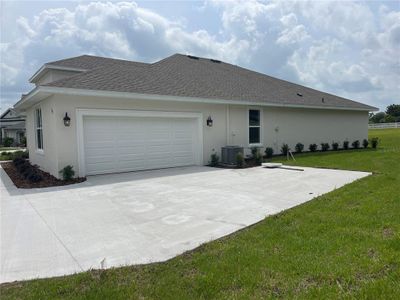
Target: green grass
{"points": [[344, 244], [6, 155]]}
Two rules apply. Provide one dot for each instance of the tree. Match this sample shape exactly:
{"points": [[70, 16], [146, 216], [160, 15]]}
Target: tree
{"points": [[378, 117], [393, 110]]}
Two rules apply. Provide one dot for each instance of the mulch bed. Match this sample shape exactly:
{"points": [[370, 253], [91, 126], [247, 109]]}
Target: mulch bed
{"points": [[48, 180]]}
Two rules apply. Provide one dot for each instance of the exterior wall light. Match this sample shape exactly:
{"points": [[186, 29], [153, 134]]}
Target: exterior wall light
{"points": [[209, 121], [67, 120]]}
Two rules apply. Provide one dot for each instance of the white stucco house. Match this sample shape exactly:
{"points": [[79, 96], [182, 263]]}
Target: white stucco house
{"points": [[104, 115], [12, 125]]}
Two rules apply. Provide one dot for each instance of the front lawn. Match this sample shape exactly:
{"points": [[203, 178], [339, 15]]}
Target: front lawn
{"points": [[344, 244]]}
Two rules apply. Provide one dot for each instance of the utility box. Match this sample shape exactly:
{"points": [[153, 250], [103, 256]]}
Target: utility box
{"points": [[228, 154]]}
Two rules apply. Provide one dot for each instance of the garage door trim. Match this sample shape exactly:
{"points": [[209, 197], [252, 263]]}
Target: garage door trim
{"points": [[81, 113]]}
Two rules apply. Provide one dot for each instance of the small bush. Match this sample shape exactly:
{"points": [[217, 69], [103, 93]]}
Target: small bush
{"points": [[335, 146], [26, 170], [67, 173], [18, 160], [285, 149], [324, 147], [346, 145], [254, 151], [22, 167], [17, 154], [269, 152], [355, 144], [299, 147], [4, 153], [35, 176], [365, 143], [313, 147], [239, 160], [8, 141], [214, 160], [258, 158], [374, 142], [23, 141]]}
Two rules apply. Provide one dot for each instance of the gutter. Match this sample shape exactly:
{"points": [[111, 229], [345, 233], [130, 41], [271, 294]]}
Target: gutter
{"points": [[137, 96]]}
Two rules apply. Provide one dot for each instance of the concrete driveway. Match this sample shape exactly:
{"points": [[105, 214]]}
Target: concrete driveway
{"points": [[142, 217]]}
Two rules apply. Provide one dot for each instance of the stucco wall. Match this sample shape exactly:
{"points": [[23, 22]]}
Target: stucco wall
{"points": [[213, 138], [46, 159], [286, 125], [294, 125]]}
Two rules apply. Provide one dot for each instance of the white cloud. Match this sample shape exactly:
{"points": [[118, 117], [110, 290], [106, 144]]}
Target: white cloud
{"points": [[340, 47]]}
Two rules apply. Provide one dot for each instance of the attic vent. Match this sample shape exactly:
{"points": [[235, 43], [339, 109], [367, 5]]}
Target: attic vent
{"points": [[215, 61], [299, 94], [323, 100], [193, 57]]}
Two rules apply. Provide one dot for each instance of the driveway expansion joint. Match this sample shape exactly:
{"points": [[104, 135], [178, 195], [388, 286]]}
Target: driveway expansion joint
{"points": [[55, 235]]}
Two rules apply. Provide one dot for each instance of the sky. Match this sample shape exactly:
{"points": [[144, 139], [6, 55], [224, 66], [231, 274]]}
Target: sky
{"points": [[351, 49]]}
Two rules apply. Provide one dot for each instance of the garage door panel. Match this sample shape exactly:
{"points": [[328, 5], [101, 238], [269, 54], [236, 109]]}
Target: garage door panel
{"points": [[120, 144], [132, 150]]}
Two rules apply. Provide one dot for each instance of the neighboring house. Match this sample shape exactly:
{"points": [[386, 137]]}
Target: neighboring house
{"points": [[127, 116], [12, 125]]}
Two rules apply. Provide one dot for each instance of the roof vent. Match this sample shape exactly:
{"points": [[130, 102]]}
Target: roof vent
{"points": [[299, 94], [193, 57], [215, 61]]}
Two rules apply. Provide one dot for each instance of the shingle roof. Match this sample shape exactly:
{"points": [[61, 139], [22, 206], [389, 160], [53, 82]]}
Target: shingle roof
{"points": [[185, 76]]}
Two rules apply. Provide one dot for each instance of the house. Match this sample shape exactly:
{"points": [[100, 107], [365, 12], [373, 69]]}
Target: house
{"points": [[12, 125], [104, 115]]}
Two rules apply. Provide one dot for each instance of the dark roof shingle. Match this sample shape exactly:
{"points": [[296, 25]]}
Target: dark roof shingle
{"points": [[180, 75]]}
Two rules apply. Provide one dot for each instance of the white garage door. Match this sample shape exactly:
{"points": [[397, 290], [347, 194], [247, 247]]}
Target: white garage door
{"points": [[121, 144]]}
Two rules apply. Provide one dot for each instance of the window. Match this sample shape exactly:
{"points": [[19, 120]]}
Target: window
{"points": [[254, 126], [39, 129]]}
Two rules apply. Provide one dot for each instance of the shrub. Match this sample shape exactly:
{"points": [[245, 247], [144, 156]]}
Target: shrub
{"points": [[313, 147], [8, 141], [324, 147], [335, 146], [35, 176], [346, 145], [355, 144], [214, 160], [18, 160], [67, 173], [25, 154], [365, 143], [22, 167], [17, 154], [239, 160], [374, 142], [23, 141], [299, 147], [254, 151], [4, 153], [269, 152], [285, 149], [258, 158]]}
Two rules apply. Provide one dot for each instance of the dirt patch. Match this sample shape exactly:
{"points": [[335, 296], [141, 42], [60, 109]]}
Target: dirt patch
{"points": [[48, 180], [388, 232]]}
